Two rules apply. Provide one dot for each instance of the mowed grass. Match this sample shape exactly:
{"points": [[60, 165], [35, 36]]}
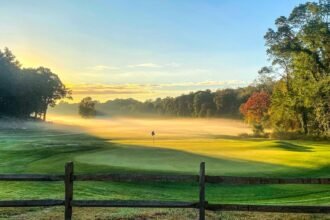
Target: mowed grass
{"points": [[125, 145]]}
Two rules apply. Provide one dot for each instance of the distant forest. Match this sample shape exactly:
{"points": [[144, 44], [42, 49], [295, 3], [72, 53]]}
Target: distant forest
{"points": [[221, 103], [27, 92]]}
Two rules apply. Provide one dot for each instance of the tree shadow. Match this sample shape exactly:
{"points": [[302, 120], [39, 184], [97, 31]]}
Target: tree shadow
{"points": [[323, 171], [280, 144], [138, 158], [146, 159], [292, 147], [241, 138]]}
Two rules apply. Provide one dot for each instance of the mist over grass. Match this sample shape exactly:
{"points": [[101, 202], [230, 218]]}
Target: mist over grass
{"points": [[125, 145], [12, 125], [140, 127]]}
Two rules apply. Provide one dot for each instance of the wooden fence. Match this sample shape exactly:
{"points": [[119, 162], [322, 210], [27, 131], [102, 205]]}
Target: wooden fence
{"points": [[201, 205]]}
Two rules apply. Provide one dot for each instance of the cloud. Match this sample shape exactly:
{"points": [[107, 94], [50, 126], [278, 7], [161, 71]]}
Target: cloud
{"points": [[104, 92], [146, 65], [173, 64], [89, 89], [141, 65], [103, 68], [155, 65], [148, 88], [205, 83]]}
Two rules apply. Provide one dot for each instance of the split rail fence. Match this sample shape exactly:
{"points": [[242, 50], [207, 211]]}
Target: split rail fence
{"points": [[201, 205]]}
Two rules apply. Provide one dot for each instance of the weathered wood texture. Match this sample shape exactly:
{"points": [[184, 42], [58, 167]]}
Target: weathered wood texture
{"points": [[165, 178], [269, 208], [137, 178], [31, 203], [133, 204], [30, 177], [68, 190], [202, 191], [264, 180]]}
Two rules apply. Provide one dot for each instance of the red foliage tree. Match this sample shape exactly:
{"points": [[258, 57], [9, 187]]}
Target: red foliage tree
{"points": [[256, 107]]}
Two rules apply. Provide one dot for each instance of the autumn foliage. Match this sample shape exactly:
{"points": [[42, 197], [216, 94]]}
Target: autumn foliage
{"points": [[256, 107]]}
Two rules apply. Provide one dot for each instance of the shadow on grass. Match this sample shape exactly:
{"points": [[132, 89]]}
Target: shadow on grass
{"points": [[321, 172], [292, 147], [144, 159], [93, 154], [238, 138]]}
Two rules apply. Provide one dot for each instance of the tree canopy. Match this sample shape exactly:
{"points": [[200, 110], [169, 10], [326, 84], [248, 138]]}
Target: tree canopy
{"points": [[299, 49], [87, 108], [27, 92], [256, 108]]}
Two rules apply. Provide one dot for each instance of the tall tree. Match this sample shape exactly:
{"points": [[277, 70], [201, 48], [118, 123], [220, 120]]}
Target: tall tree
{"points": [[51, 89], [299, 48], [227, 102], [203, 104], [24, 92]]}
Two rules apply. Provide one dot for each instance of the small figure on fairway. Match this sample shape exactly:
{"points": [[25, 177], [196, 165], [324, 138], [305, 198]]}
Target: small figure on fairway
{"points": [[153, 136]]}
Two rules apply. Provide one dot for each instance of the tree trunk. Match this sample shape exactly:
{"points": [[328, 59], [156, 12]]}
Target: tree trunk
{"points": [[304, 121], [44, 114]]}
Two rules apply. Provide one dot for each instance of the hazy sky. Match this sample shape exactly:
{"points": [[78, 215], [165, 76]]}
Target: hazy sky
{"points": [[142, 48]]}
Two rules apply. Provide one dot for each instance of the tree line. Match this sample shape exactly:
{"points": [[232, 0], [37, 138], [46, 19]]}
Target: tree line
{"points": [[291, 95], [27, 92], [221, 103]]}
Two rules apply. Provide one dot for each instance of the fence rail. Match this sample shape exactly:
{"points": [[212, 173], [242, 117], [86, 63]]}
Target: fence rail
{"points": [[30, 177], [269, 208], [31, 203], [201, 204], [137, 178], [263, 180]]}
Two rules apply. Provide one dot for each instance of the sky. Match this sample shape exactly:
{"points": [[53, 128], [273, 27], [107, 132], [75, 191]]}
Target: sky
{"points": [[142, 49]]}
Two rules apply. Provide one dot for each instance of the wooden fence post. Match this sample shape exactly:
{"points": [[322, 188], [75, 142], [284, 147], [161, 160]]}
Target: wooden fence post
{"points": [[68, 181], [202, 191]]}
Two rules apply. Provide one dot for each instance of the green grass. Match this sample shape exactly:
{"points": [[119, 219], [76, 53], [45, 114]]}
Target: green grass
{"points": [[46, 151]]}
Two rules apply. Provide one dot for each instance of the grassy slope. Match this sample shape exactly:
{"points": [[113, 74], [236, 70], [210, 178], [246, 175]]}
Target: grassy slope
{"points": [[46, 151]]}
